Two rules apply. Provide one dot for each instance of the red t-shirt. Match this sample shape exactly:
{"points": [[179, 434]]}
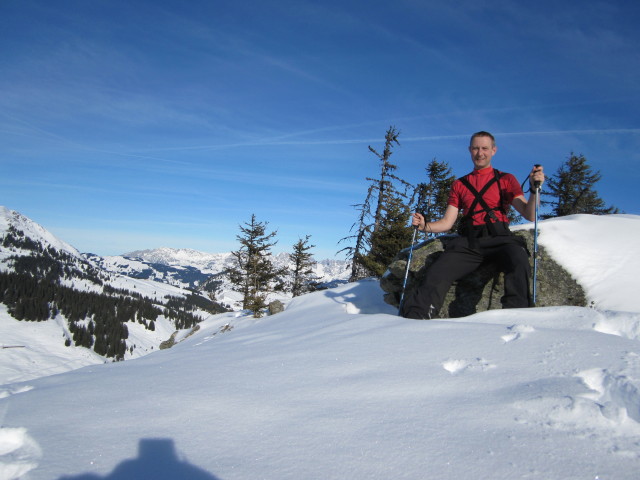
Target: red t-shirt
{"points": [[461, 198]]}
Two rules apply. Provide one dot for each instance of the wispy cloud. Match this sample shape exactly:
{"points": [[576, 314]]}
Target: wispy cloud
{"points": [[346, 141], [612, 131]]}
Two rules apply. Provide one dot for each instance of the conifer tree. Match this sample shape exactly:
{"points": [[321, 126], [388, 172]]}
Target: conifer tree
{"points": [[572, 188], [357, 252], [303, 278], [433, 195], [385, 185], [254, 271], [381, 194], [392, 235]]}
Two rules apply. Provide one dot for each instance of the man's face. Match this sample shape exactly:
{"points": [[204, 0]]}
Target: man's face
{"points": [[482, 151]]}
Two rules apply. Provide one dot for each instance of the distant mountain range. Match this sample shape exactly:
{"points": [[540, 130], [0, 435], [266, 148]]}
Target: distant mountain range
{"points": [[203, 272], [213, 263]]}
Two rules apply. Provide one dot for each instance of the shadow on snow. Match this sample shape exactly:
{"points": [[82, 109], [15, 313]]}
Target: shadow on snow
{"points": [[157, 459]]}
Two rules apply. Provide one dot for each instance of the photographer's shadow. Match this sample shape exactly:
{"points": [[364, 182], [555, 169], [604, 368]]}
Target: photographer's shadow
{"points": [[157, 459]]}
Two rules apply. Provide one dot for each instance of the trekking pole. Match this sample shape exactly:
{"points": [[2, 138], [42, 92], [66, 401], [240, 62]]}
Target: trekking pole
{"points": [[406, 272], [536, 186]]}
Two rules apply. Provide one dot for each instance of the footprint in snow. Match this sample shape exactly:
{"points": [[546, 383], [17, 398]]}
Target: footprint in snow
{"points": [[454, 366], [516, 332], [351, 309], [618, 396], [13, 390], [19, 453]]}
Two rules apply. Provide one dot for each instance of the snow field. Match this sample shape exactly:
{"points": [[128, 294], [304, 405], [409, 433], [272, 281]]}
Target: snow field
{"points": [[337, 386]]}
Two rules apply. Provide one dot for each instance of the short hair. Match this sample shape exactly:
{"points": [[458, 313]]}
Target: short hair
{"points": [[482, 133]]}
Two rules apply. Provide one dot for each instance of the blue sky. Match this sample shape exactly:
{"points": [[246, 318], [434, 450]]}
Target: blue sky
{"points": [[127, 125]]}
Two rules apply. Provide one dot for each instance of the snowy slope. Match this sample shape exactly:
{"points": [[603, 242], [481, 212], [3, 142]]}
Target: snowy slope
{"points": [[339, 387], [33, 349], [33, 230]]}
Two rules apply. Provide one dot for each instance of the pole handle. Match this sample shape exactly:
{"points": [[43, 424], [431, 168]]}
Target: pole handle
{"points": [[537, 184]]}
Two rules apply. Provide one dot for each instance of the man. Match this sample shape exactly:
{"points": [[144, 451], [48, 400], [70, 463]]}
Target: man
{"points": [[484, 196]]}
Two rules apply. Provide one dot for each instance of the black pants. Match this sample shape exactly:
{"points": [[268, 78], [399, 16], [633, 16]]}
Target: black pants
{"points": [[509, 253]]}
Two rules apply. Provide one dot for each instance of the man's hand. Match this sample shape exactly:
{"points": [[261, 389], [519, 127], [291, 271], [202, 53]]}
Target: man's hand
{"points": [[536, 177], [418, 221]]}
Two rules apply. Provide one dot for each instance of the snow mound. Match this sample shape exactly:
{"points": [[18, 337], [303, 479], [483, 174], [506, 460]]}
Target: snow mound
{"points": [[599, 250]]}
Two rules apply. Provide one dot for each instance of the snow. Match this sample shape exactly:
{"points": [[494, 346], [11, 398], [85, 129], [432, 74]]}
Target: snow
{"points": [[35, 349], [206, 262], [339, 387], [33, 230], [601, 259]]}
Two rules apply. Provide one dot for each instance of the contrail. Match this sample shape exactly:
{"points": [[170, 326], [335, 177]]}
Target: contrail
{"points": [[534, 133], [275, 143]]}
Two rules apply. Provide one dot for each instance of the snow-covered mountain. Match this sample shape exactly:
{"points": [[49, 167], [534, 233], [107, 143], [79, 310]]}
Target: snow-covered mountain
{"points": [[93, 314], [179, 257], [179, 275], [195, 270], [12, 219], [338, 386], [327, 271]]}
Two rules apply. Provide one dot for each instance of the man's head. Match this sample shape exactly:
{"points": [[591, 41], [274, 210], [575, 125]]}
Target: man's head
{"points": [[482, 148]]}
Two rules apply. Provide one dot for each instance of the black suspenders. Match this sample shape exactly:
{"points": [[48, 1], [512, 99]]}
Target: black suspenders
{"points": [[490, 216]]}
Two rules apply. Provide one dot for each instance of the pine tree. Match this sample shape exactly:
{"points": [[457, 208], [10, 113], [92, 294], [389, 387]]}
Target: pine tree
{"points": [[572, 186], [254, 272], [432, 196], [382, 192], [392, 235], [303, 278], [357, 252]]}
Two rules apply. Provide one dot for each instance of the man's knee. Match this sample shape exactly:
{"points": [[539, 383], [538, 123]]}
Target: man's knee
{"points": [[514, 259]]}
